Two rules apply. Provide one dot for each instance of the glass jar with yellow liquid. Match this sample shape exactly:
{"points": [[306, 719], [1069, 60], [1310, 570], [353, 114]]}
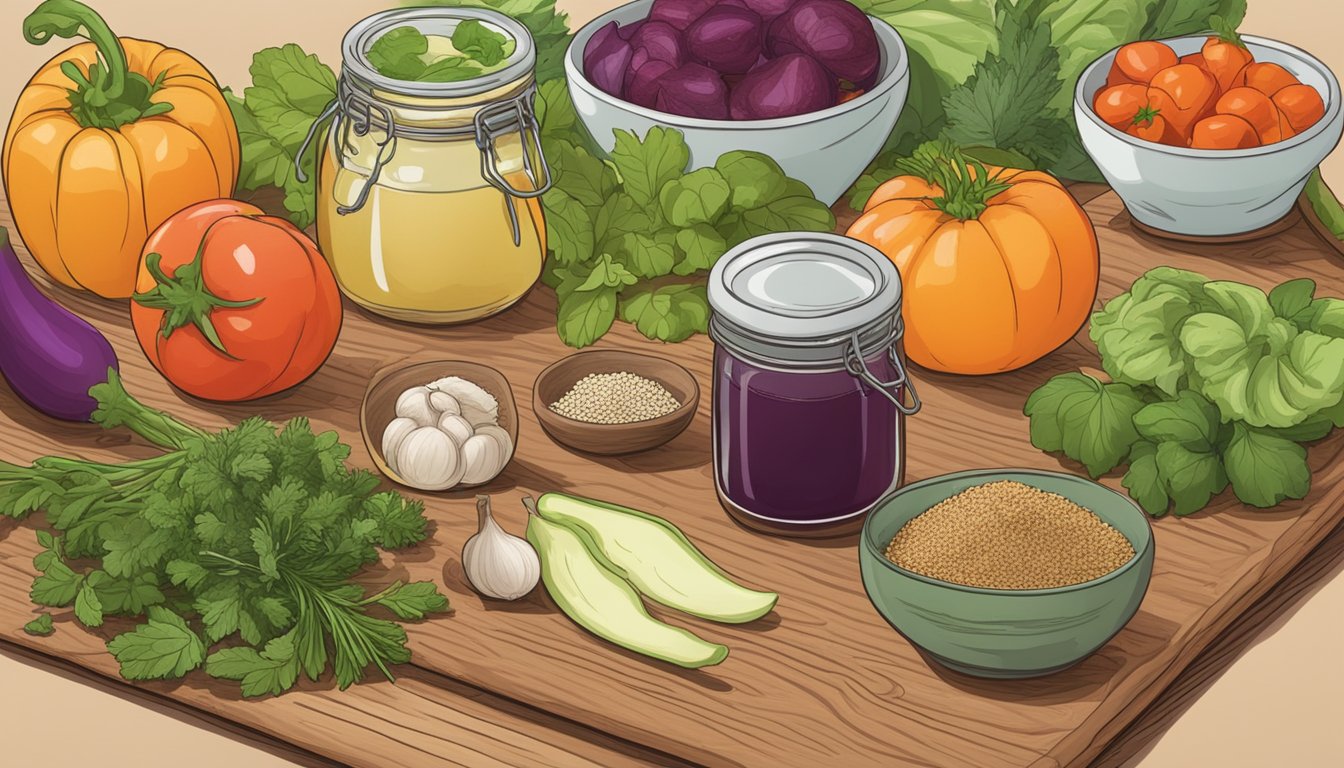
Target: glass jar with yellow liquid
{"points": [[428, 204]]}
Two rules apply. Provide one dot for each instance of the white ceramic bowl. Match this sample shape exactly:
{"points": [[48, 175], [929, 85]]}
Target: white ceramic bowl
{"points": [[827, 150], [1210, 191]]}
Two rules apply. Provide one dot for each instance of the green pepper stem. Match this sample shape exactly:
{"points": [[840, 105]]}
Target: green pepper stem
{"points": [[65, 18]]}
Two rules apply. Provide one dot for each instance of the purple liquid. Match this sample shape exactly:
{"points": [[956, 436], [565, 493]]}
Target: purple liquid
{"points": [[803, 447]]}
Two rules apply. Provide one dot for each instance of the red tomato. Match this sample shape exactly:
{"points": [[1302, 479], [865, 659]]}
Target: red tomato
{"points": [[1138, 62], [1118, 104], [1225, 61], [1183, 94], [1223, 132], [1255, 108], [1300, 104], [1152, 126], [232, 304], [1267, 77], [1197, 59]]}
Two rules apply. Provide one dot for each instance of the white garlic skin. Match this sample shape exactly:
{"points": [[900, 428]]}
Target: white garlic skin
{"points": [[444, 403], [396, 432], [501, 436], [480, 455], [429, 460], [414, 404], [499, 564], [455, 427]]}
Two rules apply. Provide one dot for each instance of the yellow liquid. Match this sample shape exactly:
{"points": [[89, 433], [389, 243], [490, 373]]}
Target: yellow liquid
{"points": [[433, 243]]}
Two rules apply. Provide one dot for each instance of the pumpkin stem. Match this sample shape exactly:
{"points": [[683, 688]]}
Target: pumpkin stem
{"points": [[184, 299], [109, 95], [967, 185]]}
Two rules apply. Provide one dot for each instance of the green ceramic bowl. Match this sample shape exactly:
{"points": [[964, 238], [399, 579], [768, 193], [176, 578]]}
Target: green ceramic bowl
{"points": [[1004, 633]]}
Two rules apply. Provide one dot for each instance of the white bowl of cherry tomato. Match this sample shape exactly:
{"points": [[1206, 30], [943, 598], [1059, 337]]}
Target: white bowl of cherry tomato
{"points": [[1205, 136]]}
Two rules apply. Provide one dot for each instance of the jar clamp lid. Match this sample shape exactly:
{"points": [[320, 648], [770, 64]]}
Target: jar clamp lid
{"points": [[811, 300], [363, 100]]}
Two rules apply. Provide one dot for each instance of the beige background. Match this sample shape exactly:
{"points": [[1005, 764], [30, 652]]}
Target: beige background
{"points": [[1279, 705]]}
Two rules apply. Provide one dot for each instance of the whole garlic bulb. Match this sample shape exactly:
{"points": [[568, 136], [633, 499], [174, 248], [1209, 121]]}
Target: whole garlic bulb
{"points": [[499, 564]]}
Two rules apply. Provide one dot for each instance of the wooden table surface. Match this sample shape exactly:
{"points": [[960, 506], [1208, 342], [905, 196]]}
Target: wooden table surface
{"points": [[821, 680]]}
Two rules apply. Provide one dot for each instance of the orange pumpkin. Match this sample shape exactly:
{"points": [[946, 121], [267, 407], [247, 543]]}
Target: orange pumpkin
{"points": [[999, 267], [88, 176]]}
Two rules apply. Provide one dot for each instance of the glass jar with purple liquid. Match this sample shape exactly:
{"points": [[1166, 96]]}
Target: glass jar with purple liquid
{"points": [[810, 390]]}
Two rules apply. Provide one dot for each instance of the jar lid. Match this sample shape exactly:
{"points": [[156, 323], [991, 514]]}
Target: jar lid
{"points": [[803, 296], [437, 22]]}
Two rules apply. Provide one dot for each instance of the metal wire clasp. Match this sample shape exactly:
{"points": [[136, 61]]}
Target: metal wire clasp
{"points": [[855, 364], [495, 120]]}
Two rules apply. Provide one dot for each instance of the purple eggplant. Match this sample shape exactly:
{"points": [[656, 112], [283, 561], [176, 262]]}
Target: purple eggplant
{"points": [[50, 356]]}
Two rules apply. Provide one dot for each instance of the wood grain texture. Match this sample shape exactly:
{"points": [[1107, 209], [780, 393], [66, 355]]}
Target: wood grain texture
{"points": [[1290, 593], [822, 680]]}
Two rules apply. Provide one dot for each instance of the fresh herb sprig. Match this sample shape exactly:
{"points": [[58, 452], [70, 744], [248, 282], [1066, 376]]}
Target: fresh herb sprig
{"points": [[1211, 383], [249, 535]]}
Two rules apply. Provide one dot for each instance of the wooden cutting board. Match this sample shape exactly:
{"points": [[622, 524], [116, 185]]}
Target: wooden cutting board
{"points": [[821, 681]]}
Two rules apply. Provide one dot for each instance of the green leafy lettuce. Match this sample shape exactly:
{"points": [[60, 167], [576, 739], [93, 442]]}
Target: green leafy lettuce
{"points": [[1213, 383]]}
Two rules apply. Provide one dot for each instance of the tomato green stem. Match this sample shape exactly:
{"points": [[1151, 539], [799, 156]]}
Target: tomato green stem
{"points": [[1145, 115], [109, 94], [184, 299]]}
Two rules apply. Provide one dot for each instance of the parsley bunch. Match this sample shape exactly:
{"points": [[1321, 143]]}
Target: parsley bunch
{"points": [[1212, 383], [248, 536]]}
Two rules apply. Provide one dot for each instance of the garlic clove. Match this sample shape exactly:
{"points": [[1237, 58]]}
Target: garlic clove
{"points": [[499, 564], [455, 427], [501, 436], [396, 432], [414, 404], [429, 460], [480, 454], [444, 403]]}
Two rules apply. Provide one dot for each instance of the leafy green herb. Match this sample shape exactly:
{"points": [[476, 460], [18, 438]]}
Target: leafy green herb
{"points": [[403, 53], [548, 25], [290, 90], [41, 626], [253, 532], [1089, 421], [632, 238], [1001, 76], [1213, 383]]}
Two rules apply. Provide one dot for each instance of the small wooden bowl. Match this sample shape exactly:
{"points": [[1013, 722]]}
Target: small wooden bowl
{"points": [[380, 403], [614, 439]]}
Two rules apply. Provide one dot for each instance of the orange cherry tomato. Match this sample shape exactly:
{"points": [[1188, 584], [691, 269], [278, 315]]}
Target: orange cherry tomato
{"points": [[1223, 132], [1118, 104], [1267, 77], [1257, 109], [1183, 95], [1300, 104], [1225, 61], [1138, 62]]}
